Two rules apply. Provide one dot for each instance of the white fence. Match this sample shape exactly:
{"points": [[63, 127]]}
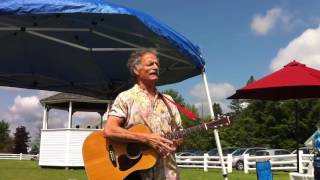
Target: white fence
{"points": [[19, 156], [279, 162], [204, 162], [286, 162]]}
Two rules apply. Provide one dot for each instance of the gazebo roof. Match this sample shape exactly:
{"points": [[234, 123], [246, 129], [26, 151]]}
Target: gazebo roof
{"points": [[79, 102]]}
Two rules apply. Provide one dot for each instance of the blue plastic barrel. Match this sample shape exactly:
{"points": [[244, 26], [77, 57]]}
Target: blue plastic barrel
{"points": [[264, 170]]}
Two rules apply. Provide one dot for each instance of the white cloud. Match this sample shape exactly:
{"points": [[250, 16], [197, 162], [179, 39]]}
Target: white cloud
{"points": [[5, 88], [27, 111], [261, 25], [305, 49], [218, 92]]}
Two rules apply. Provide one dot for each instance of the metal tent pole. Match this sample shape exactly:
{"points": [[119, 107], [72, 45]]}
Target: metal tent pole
{"points": [[216, 134], [297, 133]]}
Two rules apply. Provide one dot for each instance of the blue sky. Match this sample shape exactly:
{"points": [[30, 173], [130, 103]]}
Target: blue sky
{"points": [[237, 38]]}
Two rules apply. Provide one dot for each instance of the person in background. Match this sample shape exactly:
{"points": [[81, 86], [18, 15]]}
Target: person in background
{"points": [[316, 150], [143, 104]]}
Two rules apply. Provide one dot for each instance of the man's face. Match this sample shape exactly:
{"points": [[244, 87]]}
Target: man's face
{"points": [[148, 69]]}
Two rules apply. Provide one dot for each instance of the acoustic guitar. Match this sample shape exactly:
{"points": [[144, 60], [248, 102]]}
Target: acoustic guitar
{"points": [[107, 159]]}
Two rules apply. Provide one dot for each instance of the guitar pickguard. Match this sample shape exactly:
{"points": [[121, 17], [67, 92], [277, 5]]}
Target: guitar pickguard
{"points": [[126, 163], [133, 156]]}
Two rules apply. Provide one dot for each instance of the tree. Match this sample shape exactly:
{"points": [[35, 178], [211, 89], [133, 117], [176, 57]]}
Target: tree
{"points": [[200, 141], [250, 80], [237, 105], [175, 96], [217, 109], [34, 149], [35, 145], [21, 139], [5, 140], [272, 124]]}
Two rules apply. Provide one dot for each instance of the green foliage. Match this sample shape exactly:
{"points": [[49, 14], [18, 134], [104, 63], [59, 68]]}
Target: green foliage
{"points": [[250, 80], [273, 124], [262, 123], [34, 149], [200, 141], [217, 109], [175, 95], [21, 138], [5, 139]]}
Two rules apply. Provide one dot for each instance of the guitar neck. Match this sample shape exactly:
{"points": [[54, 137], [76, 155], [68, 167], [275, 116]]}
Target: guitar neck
{"points": [[185, 132], [223, 121]]}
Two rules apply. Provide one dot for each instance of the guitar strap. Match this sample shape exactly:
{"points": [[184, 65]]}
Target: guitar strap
{"points": [[168, 107], [182, 109]]}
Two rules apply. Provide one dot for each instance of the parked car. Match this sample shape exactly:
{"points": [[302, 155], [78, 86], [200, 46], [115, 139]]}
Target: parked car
{"points": [[213, 152], [225, 151], [305, 150], [184, 154], [238, 155], [272, 152], [183, 157], [199, 153], [228, 150]]}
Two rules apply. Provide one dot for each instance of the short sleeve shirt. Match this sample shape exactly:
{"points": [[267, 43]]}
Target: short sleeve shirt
{"points": [[316, 143], [135, 107]]}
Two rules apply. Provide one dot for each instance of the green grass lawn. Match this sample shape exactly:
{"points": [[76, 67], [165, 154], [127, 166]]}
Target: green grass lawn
{"points": [[29, 170]]}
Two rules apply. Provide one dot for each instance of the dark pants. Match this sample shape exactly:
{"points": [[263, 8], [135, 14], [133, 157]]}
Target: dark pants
{"points": [[133, 176], [316, 166]]}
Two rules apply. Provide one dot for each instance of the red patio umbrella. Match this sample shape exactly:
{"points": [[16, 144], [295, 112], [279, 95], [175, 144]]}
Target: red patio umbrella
{"points": [[293, 81]]}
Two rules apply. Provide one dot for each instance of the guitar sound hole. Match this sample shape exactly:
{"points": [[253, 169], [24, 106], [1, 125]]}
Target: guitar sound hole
{"points": [[133, 149]]}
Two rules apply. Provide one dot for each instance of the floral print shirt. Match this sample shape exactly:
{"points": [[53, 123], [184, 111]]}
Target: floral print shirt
{"points": [[135, 107]]}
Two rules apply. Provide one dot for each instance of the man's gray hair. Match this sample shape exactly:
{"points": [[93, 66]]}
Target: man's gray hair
{"points": [[135, 58]]}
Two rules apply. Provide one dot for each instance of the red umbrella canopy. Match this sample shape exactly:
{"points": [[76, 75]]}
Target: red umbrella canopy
{"points": [[293, 81]]}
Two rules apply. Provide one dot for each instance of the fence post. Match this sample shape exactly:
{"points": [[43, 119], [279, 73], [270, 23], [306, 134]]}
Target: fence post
{"points": [[205, 162], [229, 163], [245, 163], [300, 161], [20, 157]]}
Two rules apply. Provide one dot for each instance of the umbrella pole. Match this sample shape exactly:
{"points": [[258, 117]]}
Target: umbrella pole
{"points": [[215, 131], [297, 133]]}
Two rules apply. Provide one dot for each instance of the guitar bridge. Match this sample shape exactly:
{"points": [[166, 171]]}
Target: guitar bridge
{"points": [[112, 155]]}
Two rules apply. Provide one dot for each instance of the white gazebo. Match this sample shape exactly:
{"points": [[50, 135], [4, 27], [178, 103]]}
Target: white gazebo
{"points": [[63, 146]]}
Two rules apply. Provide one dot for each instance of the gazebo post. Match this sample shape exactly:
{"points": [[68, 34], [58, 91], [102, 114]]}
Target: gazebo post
{"points": [[70, 115], [101, 119], [59, 148], [45, 117], [216, 134]]}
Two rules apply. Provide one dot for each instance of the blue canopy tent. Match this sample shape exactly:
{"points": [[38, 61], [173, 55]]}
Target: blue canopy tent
{"points": [[81, 46]]}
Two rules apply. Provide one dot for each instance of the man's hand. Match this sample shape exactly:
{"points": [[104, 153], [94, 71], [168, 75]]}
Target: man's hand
{"points": [[162, 145], [177, 142]]}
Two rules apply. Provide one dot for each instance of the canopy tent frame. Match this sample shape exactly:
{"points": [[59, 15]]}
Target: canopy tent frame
{"points": [[134, 47], [32, 31], [21, 18], [215, 131]]}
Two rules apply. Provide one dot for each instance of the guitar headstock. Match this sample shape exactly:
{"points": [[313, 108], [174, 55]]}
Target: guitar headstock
{"points": [[220, 122]]}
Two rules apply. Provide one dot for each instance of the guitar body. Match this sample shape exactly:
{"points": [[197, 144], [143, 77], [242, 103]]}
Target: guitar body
{"points": [[107, 159]]}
